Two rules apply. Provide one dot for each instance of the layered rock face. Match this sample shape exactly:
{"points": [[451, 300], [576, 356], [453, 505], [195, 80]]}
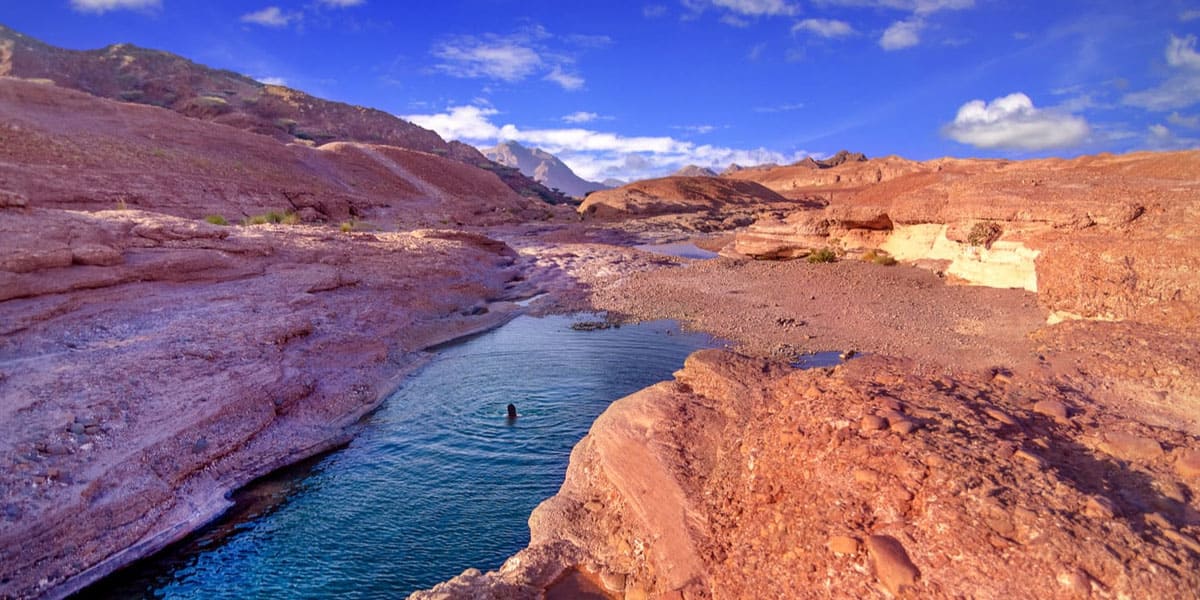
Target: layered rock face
{"points": [[151, 364], [127, 73], [1096, 237], [65, 149], [671, 195], [747, 478]]}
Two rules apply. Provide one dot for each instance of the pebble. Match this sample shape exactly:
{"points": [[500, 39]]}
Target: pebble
{"points": [[873, 423], [892, 565], [866, 476], [903, 426], [1000, 415], [614, 582], [1128, 446], [1051, 408], [843, 545], [1030, 457], [1099, 507]]}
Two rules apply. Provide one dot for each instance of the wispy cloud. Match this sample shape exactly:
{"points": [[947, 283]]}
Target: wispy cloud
{"points": [[826, 28], [1013, 122], [654, 11], [272, 80], [271, 16], [735, 12], [512, 58], [1182, 87], [595, 154], [103, 6], [778, 108], [584, 117], [343, 3], [695, 129]]}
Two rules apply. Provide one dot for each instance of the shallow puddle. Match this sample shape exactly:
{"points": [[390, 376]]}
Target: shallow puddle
{"points": [[680, 249]]}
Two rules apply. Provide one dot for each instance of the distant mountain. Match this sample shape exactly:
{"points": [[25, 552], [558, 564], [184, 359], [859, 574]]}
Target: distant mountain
{"points": [[694, 171], [841, 158], [613, 182], [543, 167], [131, 74]]}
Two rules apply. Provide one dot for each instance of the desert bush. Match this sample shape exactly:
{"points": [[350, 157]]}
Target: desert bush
{"points": [[356, 225], [216, 220], [274, 217], [824, 255], [984, 233], [879, 257]]}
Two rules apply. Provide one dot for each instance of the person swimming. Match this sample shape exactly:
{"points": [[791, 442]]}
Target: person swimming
{"points": [[512, 411]]}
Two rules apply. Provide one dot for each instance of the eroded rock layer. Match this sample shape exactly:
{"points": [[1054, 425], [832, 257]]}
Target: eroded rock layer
{"points": [[748, 478]]}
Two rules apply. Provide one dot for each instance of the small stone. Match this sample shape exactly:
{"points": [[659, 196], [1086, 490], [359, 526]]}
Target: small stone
{"points": [[843, 545], [1187, 464], [1099, 507], [1184, 540], [1000, 415], [1127, 446], [873, 423], [903, 426], [866, 476], [612, 581], [200, 445], [56, 449], [1029, 457], [1076, 582], [1159, 521], [593, 506], [1051, 408], [892, 565], [78, 428]]}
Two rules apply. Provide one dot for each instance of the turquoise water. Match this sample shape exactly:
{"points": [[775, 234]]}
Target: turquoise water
{"points": [[438, 481], [680, 249]]}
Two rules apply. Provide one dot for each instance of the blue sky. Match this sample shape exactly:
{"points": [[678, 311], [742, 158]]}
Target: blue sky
{"points": [[635, 89]]}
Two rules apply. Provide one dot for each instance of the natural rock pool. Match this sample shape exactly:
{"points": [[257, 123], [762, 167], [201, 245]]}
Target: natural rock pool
{"points": [[680, 249], [438, 481]]}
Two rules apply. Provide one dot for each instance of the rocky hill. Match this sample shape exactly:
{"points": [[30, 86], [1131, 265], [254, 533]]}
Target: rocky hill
{"points": [[131, 74], [669, 195], [694, 171], [543, 167]]}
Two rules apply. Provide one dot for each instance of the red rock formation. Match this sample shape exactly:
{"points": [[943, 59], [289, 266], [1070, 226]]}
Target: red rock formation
{"points": [[66, 149], [670, 195], [745, 478], [150, 364]]}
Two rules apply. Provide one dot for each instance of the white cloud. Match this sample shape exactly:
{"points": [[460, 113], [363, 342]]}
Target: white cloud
{"points": [[1181, 52], [580, 117], [103, 6], [757, 8], [696, 129], [1189, 15], [1182, 88], [901, 34], [777, 108], [743, 8], [516, 57], [471, 57], [595, 154], [828, 28], [343, 3], [271, 16], [1012, 122], [1189, 121], [272, 80], [1160, 137], [568, 81]]}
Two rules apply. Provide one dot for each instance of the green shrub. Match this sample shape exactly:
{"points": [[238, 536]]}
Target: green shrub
{"points": [[274, 217], [216, 220], [356, 225], [879, 257], [824, 255]]}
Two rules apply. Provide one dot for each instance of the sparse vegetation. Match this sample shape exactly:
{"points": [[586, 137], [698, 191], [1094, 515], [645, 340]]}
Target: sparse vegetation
{"points": [[879, 257], [121, 205], [984, 234], [824, 255], [273, 217], [356, 225], [216, 220]]}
